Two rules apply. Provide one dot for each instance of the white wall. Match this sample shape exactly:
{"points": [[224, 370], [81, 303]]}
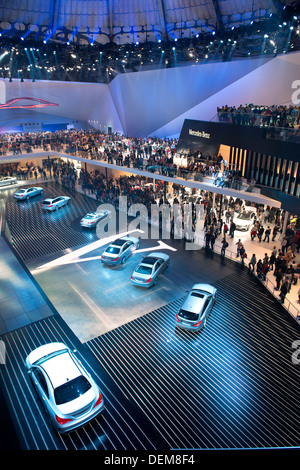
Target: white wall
{"points": [[76, 102], [156, 102]]}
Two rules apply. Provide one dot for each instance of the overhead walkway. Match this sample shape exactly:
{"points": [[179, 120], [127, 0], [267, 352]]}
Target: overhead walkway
{"points": [[189, 180]]}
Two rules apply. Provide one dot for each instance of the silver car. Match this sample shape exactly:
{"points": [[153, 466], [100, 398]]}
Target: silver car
{"points": [[68, 392], [195, 309], [244, 220], [149, 269], [27, 193], [119, 250], [5, 180], [91, 219], [53, 204]]}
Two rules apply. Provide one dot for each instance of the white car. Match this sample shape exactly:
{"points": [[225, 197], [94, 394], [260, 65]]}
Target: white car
{"points": [[27, 193], [53, 204], [149, 269], [195, 309], [119, 250], [68, 392], [92, 218], [5, 180], [244, 220]]}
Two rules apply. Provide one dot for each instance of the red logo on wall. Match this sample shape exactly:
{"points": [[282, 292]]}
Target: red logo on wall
{"points": [[39, 103]]}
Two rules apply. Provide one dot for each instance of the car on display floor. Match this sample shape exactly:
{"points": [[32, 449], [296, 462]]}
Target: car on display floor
{"points": [[53, 204], [68, 392], [27, 193], [194, 198], [195, 309], [244, 220], [149, 269], [91, 219], [119, 250], [5, 180]]}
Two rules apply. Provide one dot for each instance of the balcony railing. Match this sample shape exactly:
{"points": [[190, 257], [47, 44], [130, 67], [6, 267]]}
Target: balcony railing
{"points": [[276, 129]]}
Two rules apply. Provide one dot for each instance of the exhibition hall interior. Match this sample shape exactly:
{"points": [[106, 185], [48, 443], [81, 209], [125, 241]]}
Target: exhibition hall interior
{"points": [[150, 225]]}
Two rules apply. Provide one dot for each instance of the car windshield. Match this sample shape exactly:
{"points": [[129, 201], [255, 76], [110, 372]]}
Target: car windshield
{"points": [[119, 242], [244, 215], [89, 216], [46, 201], [21, 191], [143, 269], [71, 390], [188, 315], [113, 249], [149, 260]]}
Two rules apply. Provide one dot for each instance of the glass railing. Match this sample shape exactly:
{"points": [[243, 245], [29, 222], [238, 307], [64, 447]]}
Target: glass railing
{"points": [[276, 128]]}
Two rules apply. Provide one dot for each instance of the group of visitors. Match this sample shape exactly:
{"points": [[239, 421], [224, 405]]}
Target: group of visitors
{"points": [[257, 115], [152, 154]]}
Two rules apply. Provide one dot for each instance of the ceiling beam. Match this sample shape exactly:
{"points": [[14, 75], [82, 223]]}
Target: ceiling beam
{"points": [[110, 18], [219, 19], [53, 15], [162, 14]]}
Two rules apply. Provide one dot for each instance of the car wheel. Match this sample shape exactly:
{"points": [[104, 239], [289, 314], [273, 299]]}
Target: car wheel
{"points": [[204, 323], [123, 260], [154, 282], [27, 198], [56, 208]]}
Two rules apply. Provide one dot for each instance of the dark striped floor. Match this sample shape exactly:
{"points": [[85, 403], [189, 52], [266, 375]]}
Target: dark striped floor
{"points": [[120, 427], [233, 385], [36, 233]]}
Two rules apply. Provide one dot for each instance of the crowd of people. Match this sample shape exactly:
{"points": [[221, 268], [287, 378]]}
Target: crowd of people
{"points": [[281, 260], [286, 116], [152, 154]]}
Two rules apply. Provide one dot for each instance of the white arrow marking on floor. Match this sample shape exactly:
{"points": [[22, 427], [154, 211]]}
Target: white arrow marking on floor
{"points": [[73, 257]]}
